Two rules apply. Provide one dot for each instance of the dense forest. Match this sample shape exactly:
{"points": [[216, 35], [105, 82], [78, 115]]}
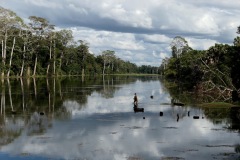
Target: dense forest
{"points": [[212, 72], [37, 49]]}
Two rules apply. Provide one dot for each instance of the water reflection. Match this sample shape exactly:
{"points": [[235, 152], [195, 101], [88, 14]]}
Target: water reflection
{"points": [[68, 118], [38, 124]]}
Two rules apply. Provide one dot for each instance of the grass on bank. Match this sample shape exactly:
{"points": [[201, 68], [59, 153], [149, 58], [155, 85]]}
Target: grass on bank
{"points": [[218, 105]]}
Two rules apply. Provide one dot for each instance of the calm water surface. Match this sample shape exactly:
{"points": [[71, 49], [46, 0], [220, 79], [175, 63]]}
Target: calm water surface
{"points": [[93, 119]]}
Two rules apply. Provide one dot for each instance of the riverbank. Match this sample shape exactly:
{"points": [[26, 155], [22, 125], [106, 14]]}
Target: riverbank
{"points": [[218, 105]]}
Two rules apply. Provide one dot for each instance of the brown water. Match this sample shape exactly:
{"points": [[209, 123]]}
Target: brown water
{"points": [[93, 119]]}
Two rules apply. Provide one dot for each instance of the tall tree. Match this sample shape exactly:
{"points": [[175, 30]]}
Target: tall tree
{"points": [[11, 56], [27, 49], [235, 63], [52, 52], [9, 22], [82, 52], [236, 41], [179, 45], [40, 29], [108, 57], [64, 38]]}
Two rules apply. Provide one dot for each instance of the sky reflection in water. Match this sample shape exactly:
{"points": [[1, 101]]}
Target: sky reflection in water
{"points": [[107, 128]]}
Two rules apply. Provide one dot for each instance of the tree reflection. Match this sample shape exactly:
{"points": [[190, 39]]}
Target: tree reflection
{"points": [[108, 87], [10, 126], [44, 103], [3, 99], [38, 124], [43, 95], [237, 148], [230, 116], [234, 119], [28, 97]]}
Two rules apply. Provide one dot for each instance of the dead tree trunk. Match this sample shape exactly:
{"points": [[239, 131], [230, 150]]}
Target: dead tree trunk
{"points": [[10, 61]]}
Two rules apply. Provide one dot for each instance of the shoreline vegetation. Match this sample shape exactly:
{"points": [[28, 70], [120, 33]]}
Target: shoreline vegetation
{"points": [[99, 75], [219, 105], [213, 74]]}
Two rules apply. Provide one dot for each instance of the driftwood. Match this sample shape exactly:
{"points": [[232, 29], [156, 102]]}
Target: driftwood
{"points": [[195, 117], [137, 109], [178, 104], [160, 113]]}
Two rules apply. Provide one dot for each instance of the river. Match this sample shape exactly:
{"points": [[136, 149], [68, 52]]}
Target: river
{"points": [[75, 118]]}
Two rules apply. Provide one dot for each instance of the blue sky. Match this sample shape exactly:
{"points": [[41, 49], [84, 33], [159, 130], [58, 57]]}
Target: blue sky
{"points": [[138, 31]]}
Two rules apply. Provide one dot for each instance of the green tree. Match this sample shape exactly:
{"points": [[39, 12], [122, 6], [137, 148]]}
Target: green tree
{"points": [[82, 52], [179, 45], [217, 68], [64, 39], [235, 62], [25, 51], [236, 41], [108, 56], [71, 62], [9, 23], [40, 29]]}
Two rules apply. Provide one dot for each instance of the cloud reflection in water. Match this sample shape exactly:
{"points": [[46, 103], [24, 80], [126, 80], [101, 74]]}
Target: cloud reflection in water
{"points": [[109, 129]]}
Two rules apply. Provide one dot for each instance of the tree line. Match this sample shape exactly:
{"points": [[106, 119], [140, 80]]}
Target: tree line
{"points": [[214, 71], [37, 49]]}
